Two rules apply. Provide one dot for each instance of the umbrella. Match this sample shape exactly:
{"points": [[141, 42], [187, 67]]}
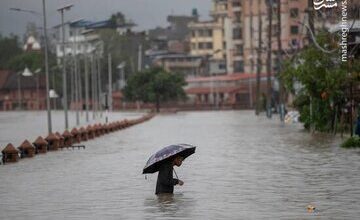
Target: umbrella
{"points": [[183, 150]]}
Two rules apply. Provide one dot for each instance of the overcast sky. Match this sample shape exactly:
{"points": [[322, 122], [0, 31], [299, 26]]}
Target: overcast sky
{"points": [[146, 13]]}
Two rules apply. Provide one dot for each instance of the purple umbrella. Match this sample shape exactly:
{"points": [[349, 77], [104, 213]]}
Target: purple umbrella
{"points": [[183, 150]]}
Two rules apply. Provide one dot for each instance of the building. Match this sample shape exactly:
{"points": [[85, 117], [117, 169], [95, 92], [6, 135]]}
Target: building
{"points": [[32, 44], [236, 90], [294, 35], [208, 38], [81, 37], [19, 92], [231, 39], [174, 38], [186, 65], [78, 38]]}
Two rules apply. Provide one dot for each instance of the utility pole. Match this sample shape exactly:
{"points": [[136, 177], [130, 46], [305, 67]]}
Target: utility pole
{"points": [[140, 58], [110, 82], [310, 12], [259, 64], [279, 55], [61, 10], [47, 71], [76, 82], [86, 87], [81, 98], [252, 54], [269, 52], [93, 84], [99, 85]]}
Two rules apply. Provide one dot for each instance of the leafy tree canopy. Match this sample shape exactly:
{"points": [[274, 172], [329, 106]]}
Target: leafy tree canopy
{"points": [[324, 81], [155, 85], [31, 60], [9, 47], [117, 19]]}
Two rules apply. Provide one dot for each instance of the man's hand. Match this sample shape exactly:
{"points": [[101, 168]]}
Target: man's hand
{"points": [[181, 183]]}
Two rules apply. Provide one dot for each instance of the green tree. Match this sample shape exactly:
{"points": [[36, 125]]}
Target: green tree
{"points": [[9, 47], [117, 19], [155, 86], [31, 60], [324, 80]]}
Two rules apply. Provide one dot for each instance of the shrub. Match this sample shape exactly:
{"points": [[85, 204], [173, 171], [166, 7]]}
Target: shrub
{"points": [[352, 142]]}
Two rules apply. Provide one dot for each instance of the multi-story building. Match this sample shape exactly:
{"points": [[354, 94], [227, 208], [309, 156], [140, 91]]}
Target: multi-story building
{"points": [[173, 38], [208, 38], [294, 34], [81, 36], [231, 37], [187, 65]]}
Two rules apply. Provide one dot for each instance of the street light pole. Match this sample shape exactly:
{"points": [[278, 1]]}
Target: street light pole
{"points": [[37, 72], [47, 71], [61, 10], [99, 87], [19, 91], [269, 61], [86, 87], [76, 81], [110, 82], [93, 84]]}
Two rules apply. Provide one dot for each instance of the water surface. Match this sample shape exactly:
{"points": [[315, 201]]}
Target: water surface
{"points": [[244, 168]]}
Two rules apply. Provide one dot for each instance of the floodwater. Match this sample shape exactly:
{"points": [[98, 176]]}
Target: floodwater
{"points": [[244, 168]]}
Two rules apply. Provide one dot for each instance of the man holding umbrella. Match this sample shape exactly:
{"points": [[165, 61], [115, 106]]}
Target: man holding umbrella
{"points": [[164, 161]]}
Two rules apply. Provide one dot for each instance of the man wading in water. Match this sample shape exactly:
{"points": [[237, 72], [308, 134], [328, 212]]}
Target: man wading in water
{"points": [[165, 181]]}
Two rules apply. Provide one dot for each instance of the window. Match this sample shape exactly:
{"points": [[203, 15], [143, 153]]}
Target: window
{"points": [[201, 46], [294, 29], [274, 30], [237, 34], [276, 65], [236, 4], [209, 45], [201, 33], [237, 17], [294, 12], [193, 46], [294, 42], [239, 66], [193, 33], [205, 33], [222, 66], [239, 49]]}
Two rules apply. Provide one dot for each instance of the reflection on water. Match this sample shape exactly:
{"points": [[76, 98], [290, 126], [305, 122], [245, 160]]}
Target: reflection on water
{"points": [[171, 205], [244, 168]]}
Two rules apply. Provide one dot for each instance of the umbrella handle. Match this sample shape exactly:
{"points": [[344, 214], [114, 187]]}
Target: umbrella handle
{"points": [[175, 173]]}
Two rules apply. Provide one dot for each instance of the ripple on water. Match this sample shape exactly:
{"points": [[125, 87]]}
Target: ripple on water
{"points": [[244, 168]]}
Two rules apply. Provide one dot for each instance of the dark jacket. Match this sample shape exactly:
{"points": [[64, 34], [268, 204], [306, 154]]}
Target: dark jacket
{"points": [[165, 181]]}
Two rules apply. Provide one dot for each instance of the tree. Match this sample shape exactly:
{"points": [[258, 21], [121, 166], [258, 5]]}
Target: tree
{"points": [[9, 47], [31, 60], [324, 80], [117, 19], [156, 86], [124, 48]]}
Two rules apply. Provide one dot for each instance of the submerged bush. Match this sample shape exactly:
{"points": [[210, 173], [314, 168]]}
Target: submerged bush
{"points": [[352, 142]]}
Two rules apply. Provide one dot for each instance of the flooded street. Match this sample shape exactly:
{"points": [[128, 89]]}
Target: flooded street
{"points": [[244, 168]]}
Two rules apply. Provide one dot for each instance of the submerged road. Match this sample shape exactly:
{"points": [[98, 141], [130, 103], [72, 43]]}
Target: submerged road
{"points": [[245, 167]]}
